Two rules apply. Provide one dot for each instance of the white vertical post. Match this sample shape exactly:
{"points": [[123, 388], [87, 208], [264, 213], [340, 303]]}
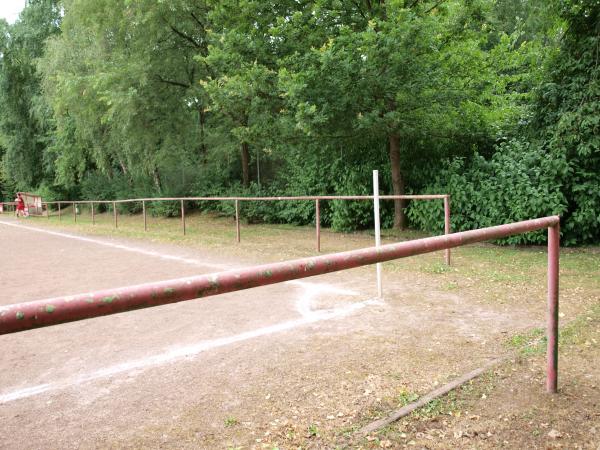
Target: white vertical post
{"points": [[377, 227]]}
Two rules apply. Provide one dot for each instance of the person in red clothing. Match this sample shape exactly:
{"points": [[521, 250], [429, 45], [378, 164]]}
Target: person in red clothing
{"points": [[20, 212]]}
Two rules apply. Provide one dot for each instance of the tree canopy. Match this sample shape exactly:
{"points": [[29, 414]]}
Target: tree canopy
{"points": [[481, 99]]}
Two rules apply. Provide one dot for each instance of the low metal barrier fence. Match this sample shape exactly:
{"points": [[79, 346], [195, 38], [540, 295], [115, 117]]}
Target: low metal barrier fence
{"points": [[25, 316], [237, 200]]}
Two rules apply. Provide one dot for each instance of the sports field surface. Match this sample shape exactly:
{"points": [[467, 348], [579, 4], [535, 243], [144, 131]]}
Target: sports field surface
{"points": [[298, 364]]}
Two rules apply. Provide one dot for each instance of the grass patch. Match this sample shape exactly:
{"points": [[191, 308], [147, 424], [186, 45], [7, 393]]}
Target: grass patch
{"points": [[531, 342], [231, 422], [576, 332], [405, 397], [313, 431], [437, 268]]}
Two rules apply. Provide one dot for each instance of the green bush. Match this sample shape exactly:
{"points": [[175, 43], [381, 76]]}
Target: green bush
{"points": [[97, 186], [322, 171], [521, 181], [355, 215], [164, 208]]}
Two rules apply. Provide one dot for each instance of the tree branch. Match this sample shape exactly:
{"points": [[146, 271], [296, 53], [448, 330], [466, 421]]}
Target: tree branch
{"points": [[173, 83], [360, 11], [198, 21], [435, 6], [185, 36]]}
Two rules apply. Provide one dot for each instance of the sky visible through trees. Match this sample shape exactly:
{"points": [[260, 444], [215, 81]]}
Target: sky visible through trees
{"points": [[10, 9]]}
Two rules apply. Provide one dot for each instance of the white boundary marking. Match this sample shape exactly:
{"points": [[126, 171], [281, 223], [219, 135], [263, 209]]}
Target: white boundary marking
{"points": [[190, 261], [188, 352], [303, 306]]}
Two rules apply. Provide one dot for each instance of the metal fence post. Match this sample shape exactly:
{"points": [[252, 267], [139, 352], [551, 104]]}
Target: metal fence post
{"points": [[93, 217], [318, 224], [75, 212], [237, 220], [115, 214], [552, 325], [182, 217], [447, 224], [59, 218], [144, 213]]}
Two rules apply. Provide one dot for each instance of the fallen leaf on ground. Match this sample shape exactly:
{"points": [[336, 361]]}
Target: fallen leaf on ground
{"points": [[555, 434]]}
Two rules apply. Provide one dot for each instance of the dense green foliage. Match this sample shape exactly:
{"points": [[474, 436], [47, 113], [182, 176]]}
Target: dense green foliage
{"points": [[493, 101], [554, 166], [25, 119], [518, 182]]}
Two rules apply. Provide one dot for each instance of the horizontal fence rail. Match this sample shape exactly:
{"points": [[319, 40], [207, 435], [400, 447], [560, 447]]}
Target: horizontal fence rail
{"points": [[284, 198], [25, 316]]}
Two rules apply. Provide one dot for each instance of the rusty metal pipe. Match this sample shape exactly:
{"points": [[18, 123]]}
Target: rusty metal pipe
{"points": [[115, 214], [237, 220], [183, 217], [281, 198], [318, 224], [24, 316], [552, 319], [144, 214], [447, 225]]}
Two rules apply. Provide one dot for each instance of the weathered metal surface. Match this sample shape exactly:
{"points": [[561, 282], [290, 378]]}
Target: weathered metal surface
{"points": [[183, 217], [447, 224], [237, 220], [115, 214], [144, 214], [24, 316], [552, 319], [237, 200], [318, 224], [284, 198]]}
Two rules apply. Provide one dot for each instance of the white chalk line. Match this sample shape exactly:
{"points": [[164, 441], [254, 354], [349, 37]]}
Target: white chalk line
{"points": [[303, 306], [191, 261], [188, 352]]}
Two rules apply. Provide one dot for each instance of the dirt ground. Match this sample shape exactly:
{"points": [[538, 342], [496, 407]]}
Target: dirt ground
{"points": [[301, 364]]}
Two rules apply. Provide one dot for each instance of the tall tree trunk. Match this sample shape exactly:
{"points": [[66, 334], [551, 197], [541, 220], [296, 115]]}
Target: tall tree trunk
{"points": [[245, 164], [156, 179], [201, 125], [397, 181], [125, 172]]}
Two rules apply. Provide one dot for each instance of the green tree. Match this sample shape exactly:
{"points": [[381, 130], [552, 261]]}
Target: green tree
{"points": [[567, 116], [406, 72], [25, 119], [122, 80], [243, 63]]}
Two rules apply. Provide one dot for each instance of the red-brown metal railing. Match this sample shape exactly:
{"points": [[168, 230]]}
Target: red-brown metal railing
{"points": [[25, 316], [316, 198]]}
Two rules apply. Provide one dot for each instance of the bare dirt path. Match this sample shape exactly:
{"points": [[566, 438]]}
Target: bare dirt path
{"points": [[279, 364]]}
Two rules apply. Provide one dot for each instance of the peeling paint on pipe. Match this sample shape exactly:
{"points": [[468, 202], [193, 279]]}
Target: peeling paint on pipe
{"points": [[24, 316]]}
